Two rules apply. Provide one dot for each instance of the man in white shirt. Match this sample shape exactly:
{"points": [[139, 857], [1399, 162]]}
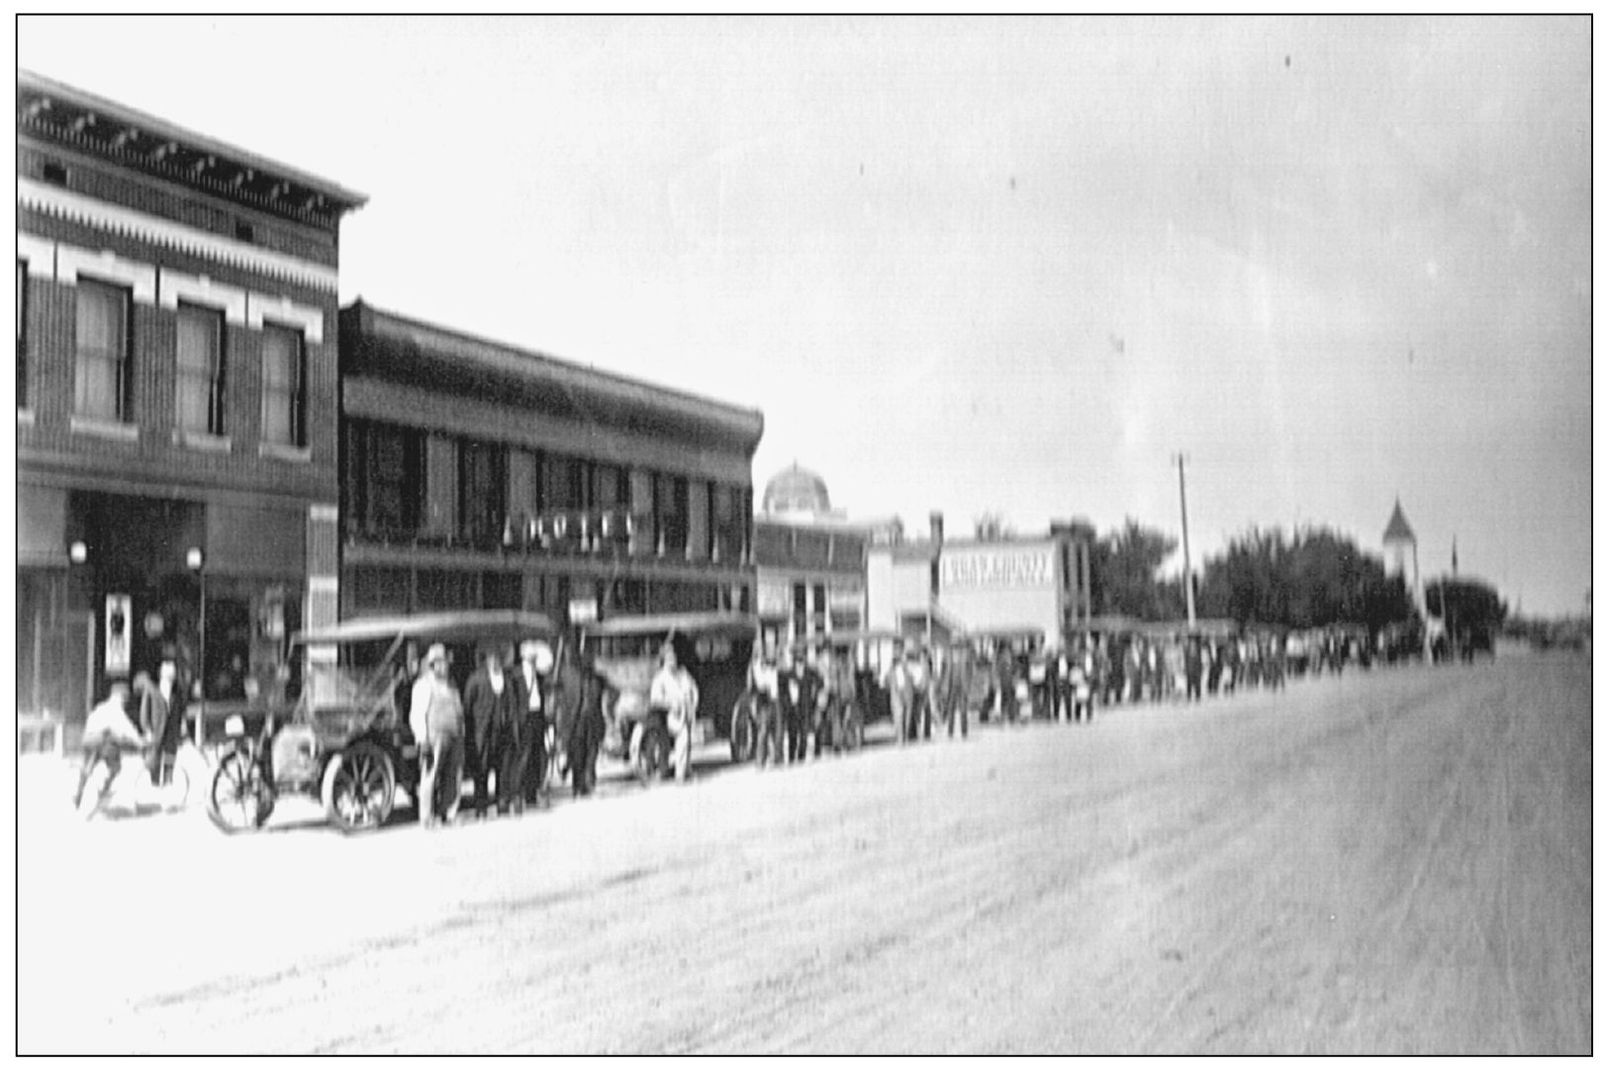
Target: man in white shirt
{"points": [[436, 716], [674, 691], [108, 735]]}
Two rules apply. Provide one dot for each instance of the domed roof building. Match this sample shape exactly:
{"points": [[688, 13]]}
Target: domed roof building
{"points": [[796, 490], [810, 559]]}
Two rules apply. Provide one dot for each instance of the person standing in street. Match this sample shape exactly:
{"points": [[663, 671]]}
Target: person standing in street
{"points": [[899, 685], [1039, 680], [1083, 681], [1193, 669], [530, 686], [436, 716], [492, 719], [765, 687], [920, 714], [826, 729], [577, 703], [673, 692], [810, 692], [162, 717], [1067, 660]]}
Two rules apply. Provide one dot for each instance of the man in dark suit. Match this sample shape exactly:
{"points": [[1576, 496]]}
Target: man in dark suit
{"points": [[578, 703], [530, 700], [493, 716], [162, 716]]}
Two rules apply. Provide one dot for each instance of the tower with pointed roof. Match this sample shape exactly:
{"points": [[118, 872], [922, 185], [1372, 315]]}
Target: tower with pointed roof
{"points": [[1402, 554]]}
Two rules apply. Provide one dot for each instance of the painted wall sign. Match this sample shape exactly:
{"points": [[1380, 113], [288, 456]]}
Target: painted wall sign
{"points": [[996, 567]]}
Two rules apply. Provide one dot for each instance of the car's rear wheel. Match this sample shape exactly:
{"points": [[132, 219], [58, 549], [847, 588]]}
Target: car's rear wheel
{"points": [[653, 753], [359, 788], [741, 738], [241, 799]]}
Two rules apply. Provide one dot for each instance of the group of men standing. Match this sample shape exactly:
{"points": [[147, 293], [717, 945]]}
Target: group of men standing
{"points": [[498, 731], [804, 701]]}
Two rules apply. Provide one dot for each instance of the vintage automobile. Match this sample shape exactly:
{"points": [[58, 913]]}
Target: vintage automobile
{"points": [[345, 739], [714, 647]]}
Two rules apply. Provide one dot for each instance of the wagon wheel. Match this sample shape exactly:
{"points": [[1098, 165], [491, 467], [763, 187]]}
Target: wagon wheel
{"points": [[741, 738], [359, 788], [241, 798]]}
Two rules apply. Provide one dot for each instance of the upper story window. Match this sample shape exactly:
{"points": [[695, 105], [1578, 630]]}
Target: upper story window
{"points": [[200, 361], [671, 513], [609, 486], [727, 523], [564, 482], [482, 482], [385, 477], [22, 334], [284, 386], [101, 366]]}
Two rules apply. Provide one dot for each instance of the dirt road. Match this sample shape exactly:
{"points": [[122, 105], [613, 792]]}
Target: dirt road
{"points": [[1394, 862]]}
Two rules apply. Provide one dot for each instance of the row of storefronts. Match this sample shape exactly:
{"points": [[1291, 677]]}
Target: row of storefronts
{"points": [[213, 455]]}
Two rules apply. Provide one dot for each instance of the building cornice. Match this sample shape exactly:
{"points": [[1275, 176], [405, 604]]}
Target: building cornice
{"points": [[142, 226], [133, 138]]}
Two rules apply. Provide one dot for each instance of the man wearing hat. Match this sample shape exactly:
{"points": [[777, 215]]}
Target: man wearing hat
{"points": [[530, 702], [437, 718], [576, 701], [492, 719], [531, 760]]}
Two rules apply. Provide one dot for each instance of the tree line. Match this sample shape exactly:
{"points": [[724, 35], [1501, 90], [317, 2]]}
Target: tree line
{"points": [[1305, 578]]}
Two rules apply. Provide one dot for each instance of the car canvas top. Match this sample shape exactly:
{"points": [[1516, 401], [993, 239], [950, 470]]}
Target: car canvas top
{"points": [[461, 626]]}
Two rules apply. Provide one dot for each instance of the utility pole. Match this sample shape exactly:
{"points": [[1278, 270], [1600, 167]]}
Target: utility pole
{"points": [[1185, 539]]}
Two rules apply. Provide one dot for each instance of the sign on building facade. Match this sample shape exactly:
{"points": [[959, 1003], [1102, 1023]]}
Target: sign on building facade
{"points": [[996, 567]]}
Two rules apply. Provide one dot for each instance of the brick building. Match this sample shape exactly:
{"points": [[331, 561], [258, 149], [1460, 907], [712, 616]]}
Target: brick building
{"points": [[480, 474], [176, 402]]}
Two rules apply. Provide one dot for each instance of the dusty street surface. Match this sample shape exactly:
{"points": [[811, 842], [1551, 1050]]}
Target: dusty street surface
{"points": [[1396, 861]]}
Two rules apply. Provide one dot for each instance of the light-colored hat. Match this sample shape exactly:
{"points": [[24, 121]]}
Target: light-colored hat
{"points": [[539, 652]]}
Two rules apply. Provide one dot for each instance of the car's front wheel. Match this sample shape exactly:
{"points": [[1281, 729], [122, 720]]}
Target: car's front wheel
{"points": [[359, 788]]}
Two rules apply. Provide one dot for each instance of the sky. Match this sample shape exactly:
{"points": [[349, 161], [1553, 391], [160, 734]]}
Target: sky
{"points": [[1010, 266]]}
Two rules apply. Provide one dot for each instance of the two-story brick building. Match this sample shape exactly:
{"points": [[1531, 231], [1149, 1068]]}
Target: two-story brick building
{"points": [[176, 401], [480, 474]]}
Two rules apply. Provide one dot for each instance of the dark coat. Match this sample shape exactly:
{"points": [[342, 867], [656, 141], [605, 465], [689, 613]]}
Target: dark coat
{"points": [[162, 719], [493, 718]]}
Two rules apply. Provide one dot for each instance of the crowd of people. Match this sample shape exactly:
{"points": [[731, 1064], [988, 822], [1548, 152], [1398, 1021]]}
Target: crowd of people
{"points": [[521, 707], [807, 696], [498, 732]]}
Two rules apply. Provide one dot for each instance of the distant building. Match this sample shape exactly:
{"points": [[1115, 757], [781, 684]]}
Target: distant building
{"points": [[1015, 585], [478, 474], [176, 402], [810, 559], [1403, 555]]}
